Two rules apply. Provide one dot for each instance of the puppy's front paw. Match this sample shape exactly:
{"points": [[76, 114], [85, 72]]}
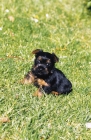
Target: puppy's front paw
{"points": [[38, 93]]}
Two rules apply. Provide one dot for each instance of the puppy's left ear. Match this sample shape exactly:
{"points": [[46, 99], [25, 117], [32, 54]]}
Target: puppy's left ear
{"points": [[56, 59], [36, 51]]}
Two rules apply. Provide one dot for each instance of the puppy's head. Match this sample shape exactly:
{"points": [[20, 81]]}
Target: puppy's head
{"points": [[44, 62]]}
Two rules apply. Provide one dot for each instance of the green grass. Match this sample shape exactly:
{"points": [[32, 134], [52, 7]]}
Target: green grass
{"points": [[62, 27]]}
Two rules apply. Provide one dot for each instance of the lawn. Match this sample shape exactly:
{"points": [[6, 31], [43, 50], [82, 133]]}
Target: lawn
{"points": [[61, 27]]}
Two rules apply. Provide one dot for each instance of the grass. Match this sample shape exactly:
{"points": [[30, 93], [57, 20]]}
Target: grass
{"points": [[62, 27]]}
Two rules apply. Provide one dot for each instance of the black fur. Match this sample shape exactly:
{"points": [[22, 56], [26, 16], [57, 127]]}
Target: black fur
{"points": [[44, 68]]}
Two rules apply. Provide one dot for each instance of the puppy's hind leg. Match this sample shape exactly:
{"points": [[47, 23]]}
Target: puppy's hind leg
{"points": [[65, 88], [29, 78]]}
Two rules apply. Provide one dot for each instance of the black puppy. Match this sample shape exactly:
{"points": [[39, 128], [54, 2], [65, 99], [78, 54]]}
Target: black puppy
{"points": [[45, 76]]}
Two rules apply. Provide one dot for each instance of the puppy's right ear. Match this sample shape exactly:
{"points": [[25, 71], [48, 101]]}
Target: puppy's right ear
{"points": [[56, 59], [36, 51]]}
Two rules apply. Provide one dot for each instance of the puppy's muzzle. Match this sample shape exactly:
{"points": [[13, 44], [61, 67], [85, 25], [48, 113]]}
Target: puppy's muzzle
{"points": [[40, 69]]}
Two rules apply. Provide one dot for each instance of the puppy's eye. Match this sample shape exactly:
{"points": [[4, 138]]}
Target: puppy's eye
{"points": [[48, 64]]}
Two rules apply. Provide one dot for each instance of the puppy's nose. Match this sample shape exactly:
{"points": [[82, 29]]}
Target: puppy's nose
{"points": [[40, 68]]}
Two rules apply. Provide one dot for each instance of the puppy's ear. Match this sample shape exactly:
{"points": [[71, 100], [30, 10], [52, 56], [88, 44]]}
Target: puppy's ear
{"points": [[56, 59], [36, 51]]}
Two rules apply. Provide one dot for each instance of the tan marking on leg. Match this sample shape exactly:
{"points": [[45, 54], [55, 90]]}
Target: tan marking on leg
{"points": [[38, 93], [29, 78], [55, 93], [41, 82]]}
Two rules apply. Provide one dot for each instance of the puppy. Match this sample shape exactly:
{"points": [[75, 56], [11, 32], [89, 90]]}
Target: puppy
{"points": [[45, 76]]}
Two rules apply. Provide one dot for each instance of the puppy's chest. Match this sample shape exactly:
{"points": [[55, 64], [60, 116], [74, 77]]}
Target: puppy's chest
{"points": [[49, 80]]}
